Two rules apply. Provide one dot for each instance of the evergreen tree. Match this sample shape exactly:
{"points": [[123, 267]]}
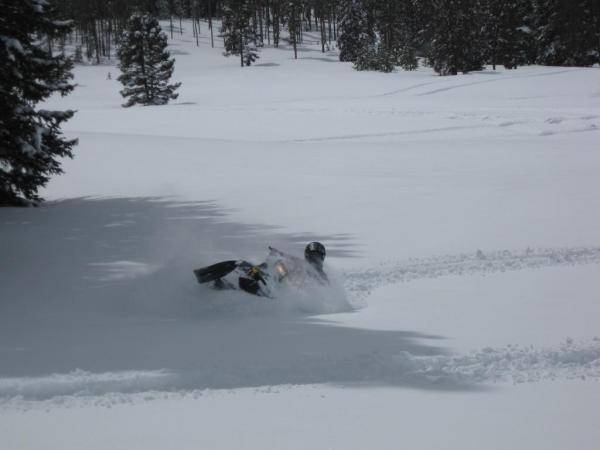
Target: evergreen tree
{"points": [[406, 52], [250, 50], [293, 11], [457, 44], [78, 57], [528, 45], [355, 33], [566, 32], [30, 138], [145, 64], [230, 27], [473, 44], [398, 29], [595, 28], [423, 19], [239, 35], [374, 57], [504, 33]]}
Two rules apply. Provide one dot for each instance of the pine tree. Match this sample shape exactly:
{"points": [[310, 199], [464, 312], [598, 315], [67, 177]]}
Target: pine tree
{"points": [[145, 64], [526, 31], [30, 138], [355, 33], [78, 57], [595, 29], [293, 10], [230, 30], [566, 32], [407, 51], [239, 36], [504, 33], [374, 57], [397, 26], [457, 44]]}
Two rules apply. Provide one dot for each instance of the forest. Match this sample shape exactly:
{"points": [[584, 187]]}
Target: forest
{"points": [[449, 35]]}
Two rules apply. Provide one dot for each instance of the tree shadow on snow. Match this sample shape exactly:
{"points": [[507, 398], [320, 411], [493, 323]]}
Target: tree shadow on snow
{"points": [[106, 285]]}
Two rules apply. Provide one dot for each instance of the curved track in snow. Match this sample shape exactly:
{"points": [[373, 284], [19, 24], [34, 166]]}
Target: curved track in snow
{"points": [[360, 283]]}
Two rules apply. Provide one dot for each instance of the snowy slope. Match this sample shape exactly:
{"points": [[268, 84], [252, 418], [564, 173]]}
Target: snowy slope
{"points": [[461, 217]]}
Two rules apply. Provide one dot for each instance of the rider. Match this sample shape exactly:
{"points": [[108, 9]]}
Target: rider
{"points": [[314, 253]]}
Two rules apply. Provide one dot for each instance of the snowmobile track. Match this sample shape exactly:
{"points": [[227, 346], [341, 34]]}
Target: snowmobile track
{"points": [[361, 283]]}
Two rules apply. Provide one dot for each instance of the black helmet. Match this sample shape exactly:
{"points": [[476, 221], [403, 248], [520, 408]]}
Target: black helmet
{"points": [[315, 253]]}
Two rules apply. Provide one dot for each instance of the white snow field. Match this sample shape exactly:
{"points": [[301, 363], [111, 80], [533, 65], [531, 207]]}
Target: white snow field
{"points": [[462, 219]]}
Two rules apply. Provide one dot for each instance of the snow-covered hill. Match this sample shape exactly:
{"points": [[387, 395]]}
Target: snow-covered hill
{"points": [[461, 218]]}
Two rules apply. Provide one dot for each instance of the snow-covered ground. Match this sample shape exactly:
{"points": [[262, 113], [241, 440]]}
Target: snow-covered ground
{"points": [[462, 219]]}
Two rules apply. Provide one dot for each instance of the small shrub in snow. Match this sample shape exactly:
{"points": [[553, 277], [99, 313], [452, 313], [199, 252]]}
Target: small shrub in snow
{"points": [[78, 57]]}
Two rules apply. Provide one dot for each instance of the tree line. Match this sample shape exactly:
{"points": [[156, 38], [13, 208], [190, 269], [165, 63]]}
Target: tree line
{"points": [[451, 36], [455, 36]]}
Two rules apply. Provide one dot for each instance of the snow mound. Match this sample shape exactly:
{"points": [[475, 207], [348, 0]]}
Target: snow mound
{"points": [[517, 364], [80, 382]]}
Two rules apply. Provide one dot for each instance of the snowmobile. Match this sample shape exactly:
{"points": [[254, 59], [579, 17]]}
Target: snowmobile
{"points": [[265, 279]]}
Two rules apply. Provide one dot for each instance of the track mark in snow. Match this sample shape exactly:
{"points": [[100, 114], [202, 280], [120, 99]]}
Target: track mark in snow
{"points": [[391, 133], [408, 88], [513, 363], [474, 83], [585, 129], [123, 270], [80, 382], [569, 361], [511, 123], [361, 283]]}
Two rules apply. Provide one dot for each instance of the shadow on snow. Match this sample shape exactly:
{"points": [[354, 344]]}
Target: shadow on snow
{"points": [[105, 285]]}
